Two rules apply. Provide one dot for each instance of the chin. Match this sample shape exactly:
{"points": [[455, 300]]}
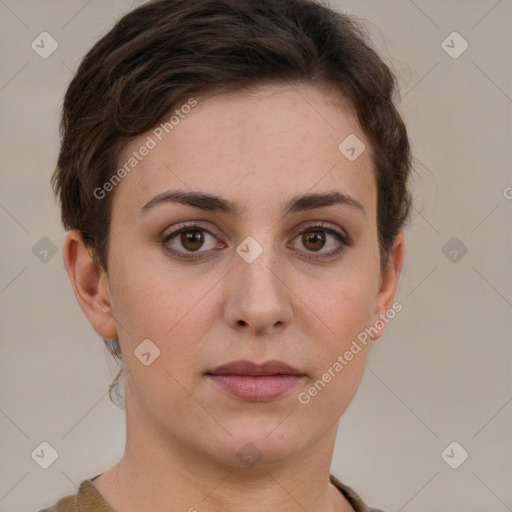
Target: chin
{"points": [[260, 443]]}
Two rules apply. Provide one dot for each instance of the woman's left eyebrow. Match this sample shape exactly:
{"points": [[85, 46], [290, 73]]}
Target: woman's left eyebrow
{"points": [[211, 202]]}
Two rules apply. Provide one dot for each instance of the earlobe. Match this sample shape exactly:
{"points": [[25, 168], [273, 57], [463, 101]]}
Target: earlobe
{"points": [[390, 277], [90, 284]]}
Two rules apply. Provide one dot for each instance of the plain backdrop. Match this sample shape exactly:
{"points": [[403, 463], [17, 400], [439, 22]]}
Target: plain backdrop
{"points": [[441, 373]]}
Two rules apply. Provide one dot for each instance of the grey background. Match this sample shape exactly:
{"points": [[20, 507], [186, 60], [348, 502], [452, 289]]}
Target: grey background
{"points": [[441, 373]]}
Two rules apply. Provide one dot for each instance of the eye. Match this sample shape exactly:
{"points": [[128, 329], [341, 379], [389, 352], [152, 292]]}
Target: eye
{"points": [[190, 239], [316, 237]]}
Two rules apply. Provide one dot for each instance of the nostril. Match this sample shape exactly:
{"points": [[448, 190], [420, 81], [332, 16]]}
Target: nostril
{"points": [[241, 322]]}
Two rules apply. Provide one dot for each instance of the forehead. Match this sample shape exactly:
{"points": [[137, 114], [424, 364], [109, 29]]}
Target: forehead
{"points": [[257, 147]]}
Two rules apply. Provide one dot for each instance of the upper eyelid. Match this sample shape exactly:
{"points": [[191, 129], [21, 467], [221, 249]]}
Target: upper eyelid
{"points": [[182, 226], [165, 237]]}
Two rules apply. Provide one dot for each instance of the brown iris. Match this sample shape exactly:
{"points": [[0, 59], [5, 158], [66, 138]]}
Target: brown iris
{"points": [[313, 240], [192, 239]]}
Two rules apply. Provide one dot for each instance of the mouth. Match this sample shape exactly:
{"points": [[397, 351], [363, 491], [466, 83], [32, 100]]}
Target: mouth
{"points": [[256, 382]]}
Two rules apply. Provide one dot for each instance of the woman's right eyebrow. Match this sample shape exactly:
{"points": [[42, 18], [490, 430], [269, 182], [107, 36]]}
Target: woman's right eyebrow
{"points": [[211, 202]]}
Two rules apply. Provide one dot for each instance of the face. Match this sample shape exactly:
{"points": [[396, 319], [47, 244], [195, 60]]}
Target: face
{"points": [[270, 255]]}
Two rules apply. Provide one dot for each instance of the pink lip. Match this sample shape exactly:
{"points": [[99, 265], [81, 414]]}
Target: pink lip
{"points": [[256, 382]]}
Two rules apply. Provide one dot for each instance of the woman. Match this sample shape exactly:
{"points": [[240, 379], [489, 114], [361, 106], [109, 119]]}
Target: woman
{"points": [[233, 179]]}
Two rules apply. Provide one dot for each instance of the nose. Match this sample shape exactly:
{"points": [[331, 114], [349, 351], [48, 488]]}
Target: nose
{"points": [[258, 296]]}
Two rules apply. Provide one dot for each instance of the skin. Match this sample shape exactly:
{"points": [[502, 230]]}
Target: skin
{"points": [[258, 148]]}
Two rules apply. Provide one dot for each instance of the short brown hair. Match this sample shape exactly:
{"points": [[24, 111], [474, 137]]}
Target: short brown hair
{"points": [[162, 53]]}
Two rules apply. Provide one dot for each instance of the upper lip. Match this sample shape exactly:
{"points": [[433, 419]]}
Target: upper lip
{"points": [[243, 367]]}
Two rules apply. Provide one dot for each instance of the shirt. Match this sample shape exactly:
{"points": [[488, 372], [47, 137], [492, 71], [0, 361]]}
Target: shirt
{"points": [[89, 499]]}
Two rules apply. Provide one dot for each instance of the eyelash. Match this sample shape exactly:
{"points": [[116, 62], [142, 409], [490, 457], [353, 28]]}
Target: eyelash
{"points": [[342, 239]]}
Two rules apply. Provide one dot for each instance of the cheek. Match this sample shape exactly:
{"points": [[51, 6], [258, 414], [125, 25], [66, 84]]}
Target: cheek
{"points": [[345, 305], [340, 361], [345, 309], [351, 311], [168, 307], [142, 304]]}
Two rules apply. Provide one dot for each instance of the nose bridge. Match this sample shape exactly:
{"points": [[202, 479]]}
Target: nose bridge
{"points": [[258, 268]]}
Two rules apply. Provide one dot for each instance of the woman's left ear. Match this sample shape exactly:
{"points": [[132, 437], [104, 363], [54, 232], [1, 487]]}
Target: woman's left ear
{"points": [[390, 276]]}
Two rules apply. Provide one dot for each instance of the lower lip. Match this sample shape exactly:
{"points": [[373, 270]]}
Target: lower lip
{"points": [[258, 388]]}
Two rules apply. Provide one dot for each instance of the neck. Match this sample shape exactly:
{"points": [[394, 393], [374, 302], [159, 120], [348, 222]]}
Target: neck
{"points": [[159, 473]]}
